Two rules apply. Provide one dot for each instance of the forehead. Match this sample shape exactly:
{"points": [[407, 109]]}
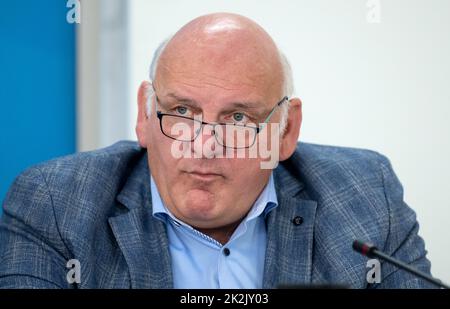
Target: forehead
{"points": [[214, 68], [206, 84], [202, 91]]}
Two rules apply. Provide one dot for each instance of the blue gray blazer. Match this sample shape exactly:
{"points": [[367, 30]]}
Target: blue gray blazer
{"points": [[96, 207]]}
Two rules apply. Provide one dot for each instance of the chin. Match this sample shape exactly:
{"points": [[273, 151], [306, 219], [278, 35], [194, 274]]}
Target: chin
{"points": [[200, 205]]}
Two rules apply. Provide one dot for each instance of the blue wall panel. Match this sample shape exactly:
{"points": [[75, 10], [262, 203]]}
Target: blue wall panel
{"points": [[37, 85]]}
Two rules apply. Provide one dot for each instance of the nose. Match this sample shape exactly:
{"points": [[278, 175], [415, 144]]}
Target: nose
{"points": [[206, 145]]}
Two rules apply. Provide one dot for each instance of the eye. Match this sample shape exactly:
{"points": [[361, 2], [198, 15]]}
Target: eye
{"points": [[182, 110], [238, 117]]}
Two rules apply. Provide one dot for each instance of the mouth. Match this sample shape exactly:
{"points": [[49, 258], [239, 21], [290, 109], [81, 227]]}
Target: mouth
{"points": [[205, 176]]}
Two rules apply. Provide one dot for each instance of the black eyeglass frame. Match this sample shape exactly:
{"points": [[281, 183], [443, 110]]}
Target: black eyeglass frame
{"points": [[258, 129]]}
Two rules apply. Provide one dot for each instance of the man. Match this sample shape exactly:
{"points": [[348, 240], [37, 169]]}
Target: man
{"points": [[190, 206]]}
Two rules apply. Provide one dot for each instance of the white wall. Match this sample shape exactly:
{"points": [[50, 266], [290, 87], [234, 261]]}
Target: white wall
{"points": [[103, 60], [383, 86]]}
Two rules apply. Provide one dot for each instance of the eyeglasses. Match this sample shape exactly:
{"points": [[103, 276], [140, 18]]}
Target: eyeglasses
{"points": [[229, 135]]}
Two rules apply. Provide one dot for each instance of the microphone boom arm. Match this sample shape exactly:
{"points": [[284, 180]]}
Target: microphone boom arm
{"points": [[371, 251]]}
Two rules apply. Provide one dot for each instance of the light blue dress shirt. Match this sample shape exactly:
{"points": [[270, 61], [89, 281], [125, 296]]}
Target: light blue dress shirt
{"points": [[199, 261]]}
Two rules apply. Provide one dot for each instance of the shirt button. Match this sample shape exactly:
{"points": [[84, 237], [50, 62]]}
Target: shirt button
{"points": [[226, 252], [297, 220]]}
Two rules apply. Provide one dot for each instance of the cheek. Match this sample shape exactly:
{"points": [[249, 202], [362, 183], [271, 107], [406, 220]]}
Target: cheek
{"points": [[152, 130], [246, 171], [249, 181], [156, 139], [158, 145], [270, 137]]}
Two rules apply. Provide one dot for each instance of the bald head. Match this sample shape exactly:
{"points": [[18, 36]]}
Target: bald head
{"points": [[227, 45]]}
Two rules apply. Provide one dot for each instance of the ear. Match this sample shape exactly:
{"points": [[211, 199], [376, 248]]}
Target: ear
{"points": [[142, 118], [288, 142]]}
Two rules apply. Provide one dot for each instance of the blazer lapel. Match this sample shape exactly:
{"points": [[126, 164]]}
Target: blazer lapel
{"points": [[290, 231], [142, 238]]}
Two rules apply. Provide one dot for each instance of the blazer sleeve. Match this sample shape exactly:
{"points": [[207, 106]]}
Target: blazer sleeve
{"points": [[32, 252], [403, 241]]}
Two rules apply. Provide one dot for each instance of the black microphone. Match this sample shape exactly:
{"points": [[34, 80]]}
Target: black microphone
{"points": [[371, 251]]}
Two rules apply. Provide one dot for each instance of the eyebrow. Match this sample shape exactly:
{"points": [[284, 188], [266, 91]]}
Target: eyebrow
{"points": [[258, 107], [187, 101]]}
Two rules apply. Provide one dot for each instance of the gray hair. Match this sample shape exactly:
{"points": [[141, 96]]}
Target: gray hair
{"points": [[288, 87]]}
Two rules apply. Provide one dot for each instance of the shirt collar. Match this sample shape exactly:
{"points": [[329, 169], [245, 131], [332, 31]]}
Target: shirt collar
{"points": [[265, 202]]}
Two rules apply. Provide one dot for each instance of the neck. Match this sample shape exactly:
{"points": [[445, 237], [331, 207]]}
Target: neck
{"points": [[221, 234]]}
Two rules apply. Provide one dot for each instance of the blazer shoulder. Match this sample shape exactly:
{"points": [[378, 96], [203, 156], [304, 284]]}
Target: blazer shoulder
{"points": [[121, 153], [335, 155], [85, 183], [345, 165], [328, 172], [324, 169]]}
